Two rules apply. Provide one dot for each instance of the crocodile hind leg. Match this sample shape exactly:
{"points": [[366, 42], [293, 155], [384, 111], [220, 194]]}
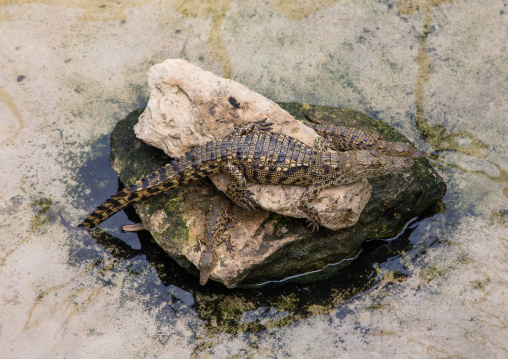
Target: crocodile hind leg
{"points": [[227, 239], [237, 190]]}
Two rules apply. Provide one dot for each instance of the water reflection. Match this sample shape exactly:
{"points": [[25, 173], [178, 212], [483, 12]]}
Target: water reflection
{"points": [[381, 263]]}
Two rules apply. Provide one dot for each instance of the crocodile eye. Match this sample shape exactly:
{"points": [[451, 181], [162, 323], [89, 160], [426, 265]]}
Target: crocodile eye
{"points": [[377, 162]]}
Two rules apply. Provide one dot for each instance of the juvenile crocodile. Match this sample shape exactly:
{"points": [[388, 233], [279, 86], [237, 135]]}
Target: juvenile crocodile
{"points": [[253, 152], [342, 138], [218, 221]]}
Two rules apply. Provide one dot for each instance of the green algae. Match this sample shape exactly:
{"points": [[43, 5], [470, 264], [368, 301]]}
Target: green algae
{"points": [[41, 217]]}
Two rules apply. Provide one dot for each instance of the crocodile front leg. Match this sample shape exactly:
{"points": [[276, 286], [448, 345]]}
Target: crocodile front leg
{"points": [[245, 129], [237, 190], [227, 239], [308, 196], [197, 247]]}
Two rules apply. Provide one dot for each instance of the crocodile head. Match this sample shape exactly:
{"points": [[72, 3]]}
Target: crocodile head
{"points": [[403, 149], [206, 263], [369, 164]]}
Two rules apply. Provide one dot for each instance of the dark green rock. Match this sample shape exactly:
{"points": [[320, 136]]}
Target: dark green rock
{"points": [[395, 200]]}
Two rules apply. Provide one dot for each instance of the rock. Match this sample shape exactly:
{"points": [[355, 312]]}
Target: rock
{"points": [[270, 247], [189, 107], [338, 207]]}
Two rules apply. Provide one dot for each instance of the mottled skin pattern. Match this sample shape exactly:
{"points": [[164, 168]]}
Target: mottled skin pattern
{"points": [[345, 138], [253, 152], [218, 221]]}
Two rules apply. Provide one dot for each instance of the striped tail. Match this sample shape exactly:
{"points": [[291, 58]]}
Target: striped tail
{"points": [[165, 178], [112, 205]]}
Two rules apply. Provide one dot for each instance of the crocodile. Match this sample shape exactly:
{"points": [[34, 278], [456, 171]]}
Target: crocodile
{"points": [[347, 138], [218, 221], [253, 152]]}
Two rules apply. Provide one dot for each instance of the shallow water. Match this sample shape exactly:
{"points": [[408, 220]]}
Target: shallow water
{"points": [[435, 70]]}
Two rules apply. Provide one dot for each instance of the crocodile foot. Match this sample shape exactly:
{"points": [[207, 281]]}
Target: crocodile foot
{"points": [[246, 200], [313, 225], [313, 221]]}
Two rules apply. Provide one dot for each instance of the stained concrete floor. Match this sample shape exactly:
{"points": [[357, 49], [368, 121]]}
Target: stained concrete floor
{"points": [[435, 70]]}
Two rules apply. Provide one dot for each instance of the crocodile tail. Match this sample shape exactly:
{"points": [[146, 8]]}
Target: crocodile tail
{"points": [[165, 178], [109, 207], [319, 126], [326, 128]]}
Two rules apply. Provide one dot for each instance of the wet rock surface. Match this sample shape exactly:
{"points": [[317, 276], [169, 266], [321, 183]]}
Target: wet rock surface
{"points": [[280, 247]]}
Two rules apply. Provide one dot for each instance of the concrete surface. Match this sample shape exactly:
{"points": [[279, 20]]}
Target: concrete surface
{"points": [[435, 70]]}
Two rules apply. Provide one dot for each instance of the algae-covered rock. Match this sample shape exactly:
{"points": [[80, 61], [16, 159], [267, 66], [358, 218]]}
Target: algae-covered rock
{"points": [[282, 247]]}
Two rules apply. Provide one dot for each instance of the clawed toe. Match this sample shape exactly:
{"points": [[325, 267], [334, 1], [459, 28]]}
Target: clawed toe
{"points": [[249, 206], [313, 225], [262, 125], [246, 200]]}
